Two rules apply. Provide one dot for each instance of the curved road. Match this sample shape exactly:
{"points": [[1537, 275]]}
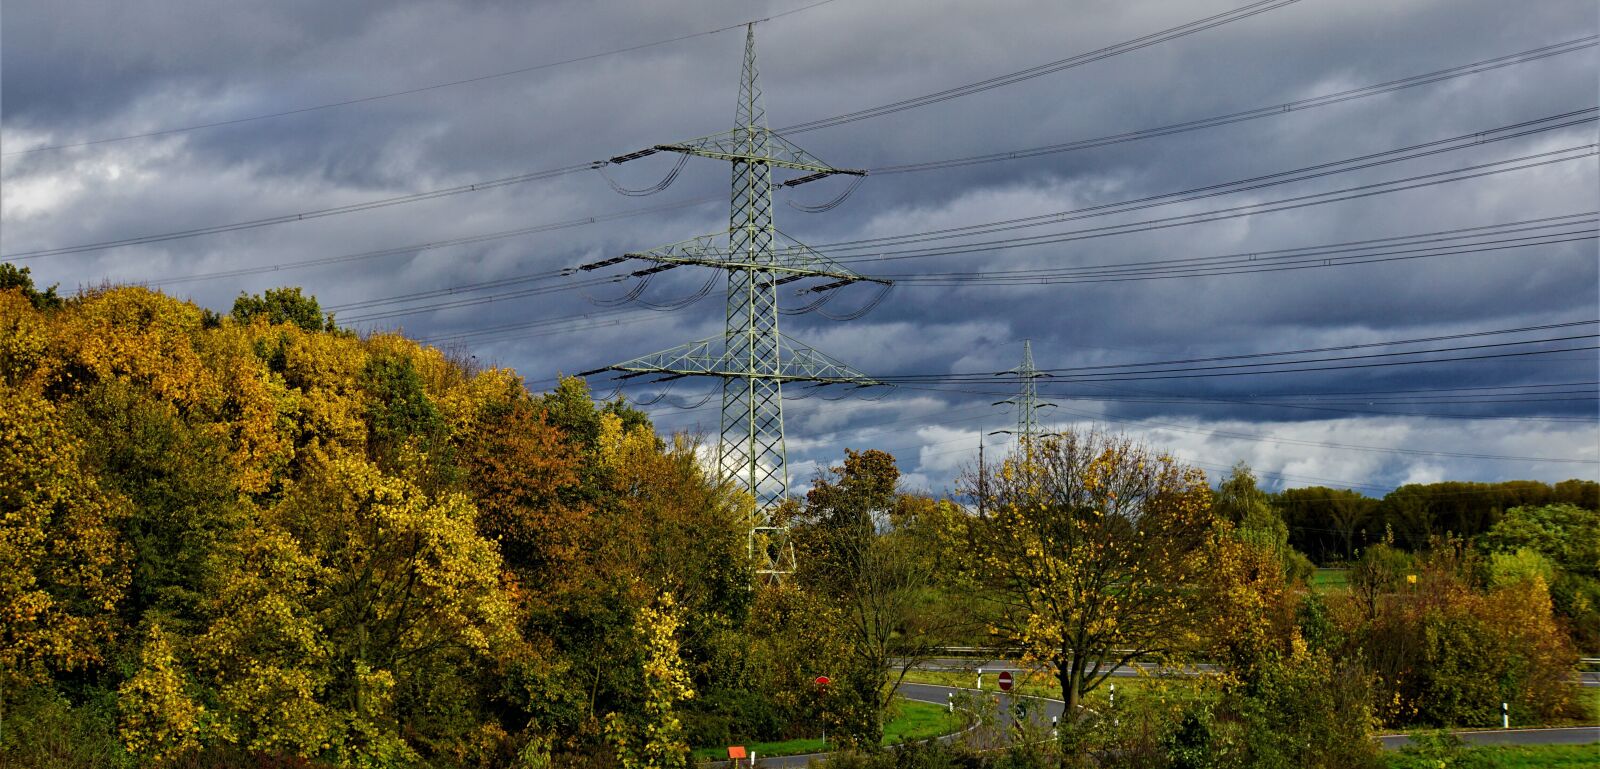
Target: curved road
{"points": [[938, 695], [1054, 708]]}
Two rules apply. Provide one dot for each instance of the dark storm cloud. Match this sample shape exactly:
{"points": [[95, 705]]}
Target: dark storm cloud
{"points": [[77, 71]]}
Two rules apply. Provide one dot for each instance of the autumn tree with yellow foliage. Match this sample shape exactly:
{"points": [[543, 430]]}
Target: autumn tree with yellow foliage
{"points": [[1095, 549], [232, 538]]}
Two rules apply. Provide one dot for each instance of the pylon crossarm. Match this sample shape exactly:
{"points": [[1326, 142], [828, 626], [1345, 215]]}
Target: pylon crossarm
{"points": [[788, 256], [756, 145], [795, 272], [804, 363], [712, 357]]}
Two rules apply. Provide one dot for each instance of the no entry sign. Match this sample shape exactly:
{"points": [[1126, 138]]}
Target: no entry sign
{"points": [[1005, 680]]}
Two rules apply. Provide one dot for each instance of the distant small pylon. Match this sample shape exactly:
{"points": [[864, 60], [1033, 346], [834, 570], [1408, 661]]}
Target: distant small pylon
{"points": [[1026, 402]]}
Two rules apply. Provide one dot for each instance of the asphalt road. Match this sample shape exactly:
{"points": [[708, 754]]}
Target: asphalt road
{"points": [[1574, 735], [991, 667]]}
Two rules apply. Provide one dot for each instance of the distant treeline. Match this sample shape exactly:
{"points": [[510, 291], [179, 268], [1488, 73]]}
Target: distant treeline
{"points": [[1332, 525]]}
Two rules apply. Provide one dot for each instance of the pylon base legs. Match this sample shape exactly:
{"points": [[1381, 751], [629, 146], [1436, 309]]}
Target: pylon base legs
{"points": [[772, 551]]}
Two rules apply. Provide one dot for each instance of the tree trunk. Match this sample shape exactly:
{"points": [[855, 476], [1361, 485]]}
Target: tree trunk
{"points": [[1069, 731]]}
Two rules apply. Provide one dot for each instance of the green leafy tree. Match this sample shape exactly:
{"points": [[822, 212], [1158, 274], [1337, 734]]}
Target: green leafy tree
{"points": [[1382, 570], [653, 739], [1447, 653], [1326, 524], [13, 278], [405, 430], [1567, 538], [185, 504], [282, 306], [1256, 521], [1308, 709], [864, 559]]}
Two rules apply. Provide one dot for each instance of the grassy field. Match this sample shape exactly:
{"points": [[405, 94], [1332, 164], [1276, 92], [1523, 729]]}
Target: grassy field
{"points": [[1331, 580], [1527, 757], [913, 721]]}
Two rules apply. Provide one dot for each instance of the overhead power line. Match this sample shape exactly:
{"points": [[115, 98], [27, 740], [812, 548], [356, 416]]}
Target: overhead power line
{"points": [[1252, 437], [1309, 261], [1282, 177], [1330, 253], [1209, 372], [1172, 33], [299, 216], [1283, 108], [1277, 109], [409, 91], [1564, 155], [1058, 373], [1427, 78], [432, 245], [1520, 129]]}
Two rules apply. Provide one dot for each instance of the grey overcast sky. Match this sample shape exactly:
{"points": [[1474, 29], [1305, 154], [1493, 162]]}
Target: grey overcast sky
{"points": [[77, 72]]}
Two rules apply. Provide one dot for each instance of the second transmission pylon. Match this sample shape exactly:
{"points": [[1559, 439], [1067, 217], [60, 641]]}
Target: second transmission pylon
{"points": [[751, 357], [1027, 402]]}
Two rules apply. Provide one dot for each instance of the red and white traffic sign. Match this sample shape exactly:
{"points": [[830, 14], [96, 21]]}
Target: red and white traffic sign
{"points": [[823, 680], [1005, 680]]}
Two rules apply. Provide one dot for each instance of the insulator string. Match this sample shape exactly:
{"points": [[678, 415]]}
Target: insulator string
{"points": [[643, 191], [651, 401], [872, 304], [679, 304], [830, 205], [632, 294]]}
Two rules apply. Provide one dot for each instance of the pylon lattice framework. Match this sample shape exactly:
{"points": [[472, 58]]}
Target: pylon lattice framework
{"points": [[1027, 400], [751, 357]]}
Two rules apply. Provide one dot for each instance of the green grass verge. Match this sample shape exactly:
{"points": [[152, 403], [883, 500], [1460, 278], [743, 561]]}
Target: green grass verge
{"points": [[1331, 580], [919, 721], [911, 721], [1528, 757]]}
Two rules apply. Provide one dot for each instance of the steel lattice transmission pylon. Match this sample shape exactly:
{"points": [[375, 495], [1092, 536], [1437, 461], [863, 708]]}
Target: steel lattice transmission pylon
{"points": [[1026, 402], [751, 357]]}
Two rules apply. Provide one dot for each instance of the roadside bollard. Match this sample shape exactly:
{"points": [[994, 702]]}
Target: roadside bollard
{"points": [[980, 679], [950, 699], [1053, 720], [1505, 716]]}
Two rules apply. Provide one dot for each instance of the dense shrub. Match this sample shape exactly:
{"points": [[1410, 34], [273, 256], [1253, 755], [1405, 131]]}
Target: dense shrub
{"points": [[1447, 653]]}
